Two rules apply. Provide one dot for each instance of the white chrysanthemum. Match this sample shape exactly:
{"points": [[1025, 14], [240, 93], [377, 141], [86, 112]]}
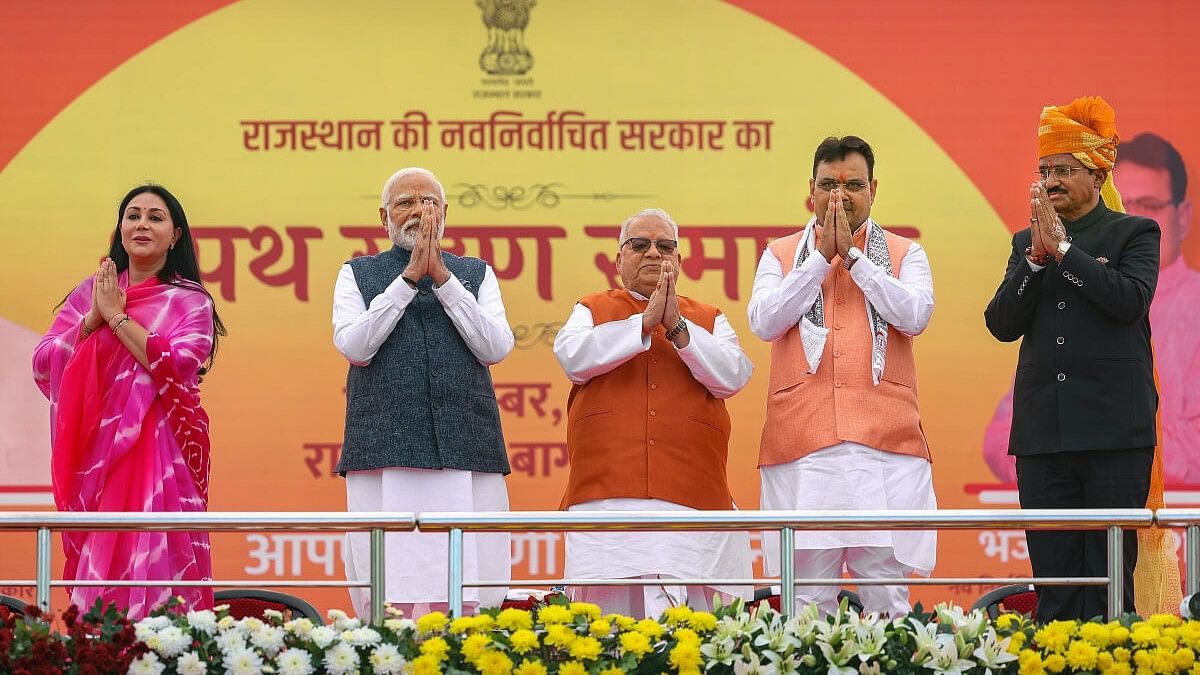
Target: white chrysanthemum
{"points": [[230, 640], [399, 625], [323, 636], [250, 624], [190, 664], [386, 660], [273, 614], [203, 621], [294, 662], [302, 627], [147, 664], [392, 610], [335, 614], [269, 639], [152, 640], [226, 623], [143, 631], [243, 662], [172, 642], [346, 623], [341, 660], [360, 637]]}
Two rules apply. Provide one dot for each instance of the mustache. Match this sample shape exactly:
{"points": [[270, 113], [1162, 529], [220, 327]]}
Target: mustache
{"points": [[1056, 191]]}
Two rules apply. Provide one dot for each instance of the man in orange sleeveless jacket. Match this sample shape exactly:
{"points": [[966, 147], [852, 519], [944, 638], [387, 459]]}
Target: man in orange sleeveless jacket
{"points": [[646, 425], [840, 302]]}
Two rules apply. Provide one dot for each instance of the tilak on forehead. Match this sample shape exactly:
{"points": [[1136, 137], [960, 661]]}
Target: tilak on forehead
{"points": [[1086, 128]]}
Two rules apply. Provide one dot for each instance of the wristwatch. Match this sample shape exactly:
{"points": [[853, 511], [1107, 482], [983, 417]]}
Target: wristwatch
{"points": [[1063, 247], [853, 254], [676, 330]]}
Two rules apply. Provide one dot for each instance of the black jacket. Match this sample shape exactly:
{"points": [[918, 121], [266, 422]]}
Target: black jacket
{"points": [[1085, 375]]}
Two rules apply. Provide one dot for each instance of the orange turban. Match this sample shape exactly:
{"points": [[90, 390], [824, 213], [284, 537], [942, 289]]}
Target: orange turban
{"points": [[1086, 129]]}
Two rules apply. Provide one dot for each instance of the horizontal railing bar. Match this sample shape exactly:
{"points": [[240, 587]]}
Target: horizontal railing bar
{"points": [[1177, 517], [1075, 519], [905, 581], [214, 521], [216, 583]]}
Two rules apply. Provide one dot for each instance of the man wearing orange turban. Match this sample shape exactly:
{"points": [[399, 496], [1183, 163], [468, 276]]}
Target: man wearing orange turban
{"points": [[1077, 292]]}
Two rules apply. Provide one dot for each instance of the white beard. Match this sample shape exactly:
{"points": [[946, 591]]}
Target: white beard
{"points": [[406, 238]]}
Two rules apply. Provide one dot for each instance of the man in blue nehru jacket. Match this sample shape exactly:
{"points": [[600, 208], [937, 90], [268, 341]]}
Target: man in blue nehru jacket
{"points": [[420, 327]]}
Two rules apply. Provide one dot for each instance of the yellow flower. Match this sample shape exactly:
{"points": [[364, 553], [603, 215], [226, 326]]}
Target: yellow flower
{"points": [[572, 668], [685, 656], [528, 667], [1006, 620], [1081, 655], [484, 623], [461, 625], [1052, 638], [1030, 663], [1184, 658], [1164, 620], [623, 622], [1104, 660], [1144, 634], [431, 622], [523, 640], [1015, 642], [474, 646], [1189, 634], [586, 648], [551, 614], [1119, 669], [1166, 642], [585, 609], [1163, 661], [1142, 658], [600, 628], [635, 643], [687, 636], [1055, 663], [1122, 655], [494, 663], [513, 619], [613, 670], [1095, 633], [650, 628], [558, 635], [689, 671], [426, 665], [677, 615], [435, 647], [702, 622], [1117, 634]]}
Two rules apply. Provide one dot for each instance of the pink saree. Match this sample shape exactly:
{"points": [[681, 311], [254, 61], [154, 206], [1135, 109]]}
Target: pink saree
{"points": [[130, 439]]}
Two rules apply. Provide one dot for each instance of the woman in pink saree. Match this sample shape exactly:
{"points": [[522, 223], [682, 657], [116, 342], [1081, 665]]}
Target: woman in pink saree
{"points": [[121, 365]]}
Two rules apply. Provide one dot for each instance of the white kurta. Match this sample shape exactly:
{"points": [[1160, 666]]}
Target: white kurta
{"points": [[417, 563], [847, 476], [717, 361]]}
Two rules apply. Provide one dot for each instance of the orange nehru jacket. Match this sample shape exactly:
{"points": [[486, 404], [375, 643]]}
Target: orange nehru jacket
{"points": [[647, 429], [807, 412]]}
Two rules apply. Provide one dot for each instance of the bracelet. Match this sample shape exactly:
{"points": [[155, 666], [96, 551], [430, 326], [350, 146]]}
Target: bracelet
{"points": [[1043, 260], [119, 324], [676, 330]]}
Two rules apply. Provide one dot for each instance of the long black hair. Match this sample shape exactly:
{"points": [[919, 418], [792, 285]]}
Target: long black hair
{"points": [[181, 258]]}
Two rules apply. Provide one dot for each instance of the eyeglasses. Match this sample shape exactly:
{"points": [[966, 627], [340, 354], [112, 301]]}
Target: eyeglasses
{"points": [[1059, 171], [1149, 204], [642, 244], [828, 185]]}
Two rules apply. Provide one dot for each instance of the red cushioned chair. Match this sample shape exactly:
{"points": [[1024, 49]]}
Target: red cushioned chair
{"points": [[1019, 598], [244, 602], [14, 605]]}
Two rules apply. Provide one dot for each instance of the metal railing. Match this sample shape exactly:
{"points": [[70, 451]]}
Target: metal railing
{"points": [[213, 521], [456, 523], [787, 522]]}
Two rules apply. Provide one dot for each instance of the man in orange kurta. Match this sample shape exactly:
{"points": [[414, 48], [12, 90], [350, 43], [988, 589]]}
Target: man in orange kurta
{"points": [[647, 427]]}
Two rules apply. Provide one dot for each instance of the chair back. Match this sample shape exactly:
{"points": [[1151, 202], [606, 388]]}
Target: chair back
{"points": [[13, 605], [1018, 598], [253, 602]]}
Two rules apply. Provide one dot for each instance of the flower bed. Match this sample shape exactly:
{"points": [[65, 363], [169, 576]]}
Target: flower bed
{"points": [[576, 639]]}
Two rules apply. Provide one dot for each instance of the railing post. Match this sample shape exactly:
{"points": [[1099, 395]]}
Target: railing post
{"points": [[1192, 555], [456, 571], [43, 569], [1116, 572], [787, 571], [378, 576]]}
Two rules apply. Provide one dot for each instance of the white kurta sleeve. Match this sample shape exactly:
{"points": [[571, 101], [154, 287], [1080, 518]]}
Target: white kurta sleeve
{"points": [[716, 359], [905, 302], [359, 330], [778, 301], [482, 323], [585, 350]]}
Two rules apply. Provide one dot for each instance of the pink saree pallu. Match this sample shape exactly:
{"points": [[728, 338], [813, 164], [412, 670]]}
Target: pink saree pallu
{"points": [[130, 439]]}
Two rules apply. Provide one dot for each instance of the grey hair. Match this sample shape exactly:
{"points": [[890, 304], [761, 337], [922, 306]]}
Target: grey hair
{"points": [[657, 213], [405, 172]]}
